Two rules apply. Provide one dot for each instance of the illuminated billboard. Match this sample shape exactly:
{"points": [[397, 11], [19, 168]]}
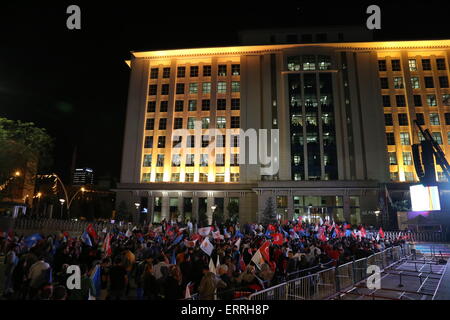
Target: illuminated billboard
{"points": [[424, 198]]}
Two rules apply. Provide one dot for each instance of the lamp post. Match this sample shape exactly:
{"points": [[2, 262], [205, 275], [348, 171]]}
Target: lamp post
{"points": [[137, 205], [82, 189], [213, 208], [62, 206]]}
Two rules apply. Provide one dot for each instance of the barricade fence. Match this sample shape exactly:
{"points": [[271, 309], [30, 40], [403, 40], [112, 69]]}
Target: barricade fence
{"points": [[331, 281], [56, 225]]}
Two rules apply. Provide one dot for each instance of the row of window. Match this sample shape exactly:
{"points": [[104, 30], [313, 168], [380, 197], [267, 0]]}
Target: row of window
{"points": [[308, 63], [189, 177], [221, 123], [194, 71], [177, 142], [398, 82], [409, 176], [192, 105], [403, 119], [431, 100], [412, 64], [176, 160], [193, 88], [405, 139]]}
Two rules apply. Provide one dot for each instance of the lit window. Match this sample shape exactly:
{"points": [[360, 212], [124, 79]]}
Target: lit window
{"points": [[234, 177], [309, 63], [189, 160], [415, 83], [222, 87], [191, 123], [404, 138], [392, 158], [176, 160], [407, 158], [206, 87], [159, 177], [175, 177], [222, 70], [235, 86], [192, 105], [205, 123], [146, 177], [235, 69], [412, 64], [221, 122], [431, 100], [193, 88], [437, 136], [398, 83], [434, 119], [160, 160], [203, 160], [147, 160], [409, 176], [220, 160]]}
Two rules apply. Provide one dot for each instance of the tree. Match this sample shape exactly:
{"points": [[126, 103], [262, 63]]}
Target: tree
{"points": [[233, 211], [24, 148], [269, 214]]}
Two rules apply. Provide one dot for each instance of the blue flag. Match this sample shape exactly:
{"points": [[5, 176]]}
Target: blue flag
{"points": [[86, 239], [348, 233], [97, 280], [30, 241], [178, 239], [173, 258], [239, 234]]}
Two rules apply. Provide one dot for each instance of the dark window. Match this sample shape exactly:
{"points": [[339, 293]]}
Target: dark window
{"points": [[206, 104], [417, 100], [390, 138], [162, 124], [205, 141], [166, 73], [154, 73], [388, 119], [235, 104], [163, 106], [420, 118], [179, 104], [447, 119], [181, 72], [207, 71], [396, 65], [222, 70], [429, 83], [235, 69], [165, 89], [235, 122], [150, 124], [152, 90], [221, 104], [194, 71], [148, 143], [307, 38], [178, 123], [180, 88], [402, 119], [321, 37], [292, 38], [234, 141], [382, 65], [441, 64], [400, 99], [151, 106], [384, 83], [386, 101], [426, 64], [443, 82], [190, 142], [161, 142]]}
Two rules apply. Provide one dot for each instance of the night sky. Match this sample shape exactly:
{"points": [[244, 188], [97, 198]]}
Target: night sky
{"points": [[74, 83]]}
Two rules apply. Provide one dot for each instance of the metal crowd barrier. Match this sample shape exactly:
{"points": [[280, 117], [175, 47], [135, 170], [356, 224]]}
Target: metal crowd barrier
{"points": [[329, 282]]}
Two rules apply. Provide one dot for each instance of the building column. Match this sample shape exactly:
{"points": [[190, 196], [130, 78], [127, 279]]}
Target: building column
{"points": [[195, 207], [165, 209], [209, 213], [290, 208], [226, 201], [150, 208], [181, 206], [346, 199]]}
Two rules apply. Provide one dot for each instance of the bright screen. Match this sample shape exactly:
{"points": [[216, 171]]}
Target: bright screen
{"points": [[424, 198]]}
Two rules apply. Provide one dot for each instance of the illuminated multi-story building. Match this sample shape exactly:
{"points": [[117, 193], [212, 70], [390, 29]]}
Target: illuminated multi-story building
{"points": [[83, 176], [344, 112]]}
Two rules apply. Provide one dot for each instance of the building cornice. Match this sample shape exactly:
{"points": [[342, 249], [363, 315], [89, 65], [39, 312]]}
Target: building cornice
{"points": [[265, 49]]}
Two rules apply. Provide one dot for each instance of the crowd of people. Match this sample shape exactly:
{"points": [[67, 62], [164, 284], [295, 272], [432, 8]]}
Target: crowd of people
{"points": [[173, 260]]}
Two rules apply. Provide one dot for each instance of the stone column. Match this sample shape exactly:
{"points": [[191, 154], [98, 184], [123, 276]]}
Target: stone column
{"points": [[290, 202], [195, 207], [181, 205], [346, 199], [165, 210], [209, 213], [150, 208]]}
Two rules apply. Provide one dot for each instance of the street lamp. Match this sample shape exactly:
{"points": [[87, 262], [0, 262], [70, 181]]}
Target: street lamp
{"points": [[62, 206], [213, 208]]}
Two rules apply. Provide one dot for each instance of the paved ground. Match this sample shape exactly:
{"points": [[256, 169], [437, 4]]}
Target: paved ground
{"points": [[413, 279]]}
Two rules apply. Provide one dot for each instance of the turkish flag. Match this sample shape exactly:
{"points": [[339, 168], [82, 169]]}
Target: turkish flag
{"points": [[91, 231], [270, 227], [265, 250], [381, 233], [278, 238]]}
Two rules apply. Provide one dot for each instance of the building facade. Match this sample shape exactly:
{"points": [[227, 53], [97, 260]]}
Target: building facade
{"points": [[344, 114]]}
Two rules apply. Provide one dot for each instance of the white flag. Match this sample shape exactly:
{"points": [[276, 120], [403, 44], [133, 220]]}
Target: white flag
{"points": [[258, 259], [204, 231], [212, 268], [128, 233], [207, 246], [238, 243], [187, 294], [218, 265]]}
